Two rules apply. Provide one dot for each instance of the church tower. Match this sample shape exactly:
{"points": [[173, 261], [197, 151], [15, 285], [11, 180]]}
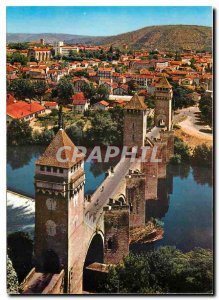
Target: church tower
{"points": [[135, 122], [59, 205], [163, 104]]}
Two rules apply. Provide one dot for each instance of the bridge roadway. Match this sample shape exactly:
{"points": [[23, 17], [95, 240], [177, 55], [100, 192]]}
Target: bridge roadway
{"points": [[101, 197], [108, 188]]}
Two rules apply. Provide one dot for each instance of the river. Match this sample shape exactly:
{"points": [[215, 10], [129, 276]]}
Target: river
{"points": [[184, 205]]}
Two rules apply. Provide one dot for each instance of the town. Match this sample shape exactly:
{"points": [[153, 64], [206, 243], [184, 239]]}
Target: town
{"points": [[42, 76], [68, 95]]}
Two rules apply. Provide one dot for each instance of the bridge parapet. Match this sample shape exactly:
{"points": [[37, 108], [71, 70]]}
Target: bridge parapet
{"points": [[43, 283]]}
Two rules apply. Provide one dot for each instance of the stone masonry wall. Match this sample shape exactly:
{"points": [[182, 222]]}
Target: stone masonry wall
{"points": [[135, 191], [116, 228]]}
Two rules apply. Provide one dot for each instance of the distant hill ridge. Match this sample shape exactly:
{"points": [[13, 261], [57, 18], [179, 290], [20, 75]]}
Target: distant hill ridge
{"points": [[164, 37]]}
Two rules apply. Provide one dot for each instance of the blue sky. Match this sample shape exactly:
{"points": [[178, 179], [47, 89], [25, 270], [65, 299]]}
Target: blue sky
{"points": [[101, 20]]}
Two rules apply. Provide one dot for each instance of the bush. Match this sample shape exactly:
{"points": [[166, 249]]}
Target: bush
{"points": [[165, 270], [20, 250], [181, 152], [202, 155], [176, 159], [12, 281], [43, 138], [19, 133]]}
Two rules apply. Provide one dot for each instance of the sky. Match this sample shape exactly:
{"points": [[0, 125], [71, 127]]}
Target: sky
{"points": [[99, 20]]}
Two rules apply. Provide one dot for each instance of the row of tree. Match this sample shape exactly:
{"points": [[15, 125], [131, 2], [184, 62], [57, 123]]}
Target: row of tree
{"points": [[17, 57], [201, 155], [111, 54], [165, 270], [206, 109], [24, 88], [106, 128]]}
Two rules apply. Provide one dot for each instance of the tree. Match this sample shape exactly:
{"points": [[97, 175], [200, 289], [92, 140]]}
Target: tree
{"points": [[150, 101], [22, 89], [202, 155], [180, 97], [65, 90], [17, 57], [19, 133], [177, 56], [206, 108], [102, 93], [181, 152], [81, 73], [165, 270], [20, 251], [88, 90], [18, 46], [40, 87], [132, 87], [106, 128], [95, 94], [192, 63], [12, 280], [43, 138]]}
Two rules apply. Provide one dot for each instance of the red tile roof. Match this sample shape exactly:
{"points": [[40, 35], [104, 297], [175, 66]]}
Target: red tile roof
{"points": [[103, 102], [79, 99], [23, 109], [50, 104], [10, 99], [49, 157]]}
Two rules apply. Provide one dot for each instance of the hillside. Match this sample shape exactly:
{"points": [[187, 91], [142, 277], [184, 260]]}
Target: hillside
{"points": [[49, 37], [167, 37]]}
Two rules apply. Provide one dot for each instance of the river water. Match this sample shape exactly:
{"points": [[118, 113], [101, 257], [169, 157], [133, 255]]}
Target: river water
{"points": [[184, 205]]}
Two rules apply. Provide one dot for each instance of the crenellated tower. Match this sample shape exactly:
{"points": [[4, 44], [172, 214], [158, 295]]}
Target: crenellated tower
{"points": [[59, 205], [135, 122], [163, 104]]}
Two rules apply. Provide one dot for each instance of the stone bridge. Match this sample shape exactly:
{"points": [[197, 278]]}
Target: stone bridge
{"points": [[74, 235], [102, 236]]}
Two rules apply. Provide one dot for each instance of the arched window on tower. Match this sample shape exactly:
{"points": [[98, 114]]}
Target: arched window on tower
{"points": [[51, 228], [51, 204], [133, 125]]}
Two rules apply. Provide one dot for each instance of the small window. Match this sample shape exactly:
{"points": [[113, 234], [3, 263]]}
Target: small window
{"points": [[110, 244], [54, 169], [131, 207], [60, 170], [48, 169], [42, 168], [133, 137]]}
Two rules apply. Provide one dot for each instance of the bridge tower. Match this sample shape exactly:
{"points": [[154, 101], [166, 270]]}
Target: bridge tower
{"points": [[163, 104], [59, 205], [135, 122]]}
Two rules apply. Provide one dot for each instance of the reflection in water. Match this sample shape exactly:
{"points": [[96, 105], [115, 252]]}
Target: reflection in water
{"points": [[184, 201], [179, 170], [98, 169], [188, 223], [185, 206], [203, 175], [21, 168], [18, 157]]}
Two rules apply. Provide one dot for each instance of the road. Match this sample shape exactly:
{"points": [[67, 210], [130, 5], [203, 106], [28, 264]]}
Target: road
{"points": [[188, 119], [101, 196]]}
